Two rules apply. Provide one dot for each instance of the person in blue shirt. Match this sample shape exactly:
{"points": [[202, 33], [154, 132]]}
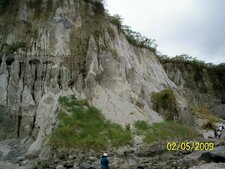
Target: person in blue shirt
{"points": [[104, 161]]}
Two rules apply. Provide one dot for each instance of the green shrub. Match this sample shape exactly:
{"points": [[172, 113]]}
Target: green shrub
{"points": [[71, 101], [164, 102], [128, 127], [84, 127], [141, 125]]}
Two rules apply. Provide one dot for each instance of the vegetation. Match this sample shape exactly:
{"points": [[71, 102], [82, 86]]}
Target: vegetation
{"points": [[185, 58], [203, 113], [141, 125], [133, 37], [82, 126], [141, 41], [164, 102], [165, 131], [116, 20], [5, 5], [137, 39], [14, 47]]}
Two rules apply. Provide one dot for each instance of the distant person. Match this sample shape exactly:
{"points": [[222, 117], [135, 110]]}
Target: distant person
{"points": [[215, 133], [104, 161]]}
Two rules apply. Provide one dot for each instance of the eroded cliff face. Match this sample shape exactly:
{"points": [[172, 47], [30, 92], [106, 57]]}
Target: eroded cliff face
{"points": [[53, 48], [201, 86]]}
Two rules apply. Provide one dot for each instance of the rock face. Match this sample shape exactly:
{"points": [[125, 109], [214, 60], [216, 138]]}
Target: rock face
{"points": [[52, 48], [201, 86]]}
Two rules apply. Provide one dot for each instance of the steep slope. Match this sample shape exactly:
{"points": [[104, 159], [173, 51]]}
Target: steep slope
{"points": [[53, 48]]}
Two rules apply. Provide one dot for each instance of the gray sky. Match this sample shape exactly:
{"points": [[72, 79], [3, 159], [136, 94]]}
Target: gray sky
{"points": [[194, 27]]}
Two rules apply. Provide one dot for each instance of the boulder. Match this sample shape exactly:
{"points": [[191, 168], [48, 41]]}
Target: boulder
{"points": [[149, 151], [217, 155]]}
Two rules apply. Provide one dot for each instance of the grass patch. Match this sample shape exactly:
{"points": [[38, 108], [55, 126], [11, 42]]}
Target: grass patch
{"points": [[202, 112], [82, 126], [165, 131]]}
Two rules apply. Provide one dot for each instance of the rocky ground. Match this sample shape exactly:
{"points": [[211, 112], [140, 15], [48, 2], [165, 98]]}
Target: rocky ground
{"points": [[13, 156]]}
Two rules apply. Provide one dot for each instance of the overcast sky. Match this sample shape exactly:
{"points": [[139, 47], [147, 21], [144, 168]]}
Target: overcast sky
{"points": [[194, 27]]}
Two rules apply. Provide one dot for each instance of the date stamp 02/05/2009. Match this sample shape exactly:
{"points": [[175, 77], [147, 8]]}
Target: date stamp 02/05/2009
{"points": [[189, 146]]}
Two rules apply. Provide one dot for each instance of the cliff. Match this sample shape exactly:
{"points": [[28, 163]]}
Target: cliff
{"points": [[201, 85], [53, 48]]}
